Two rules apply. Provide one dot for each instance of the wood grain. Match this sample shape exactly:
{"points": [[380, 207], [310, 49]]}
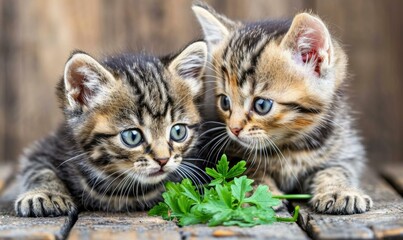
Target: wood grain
{"points": [[384, 219], [271, 231], [2, 87], [122, 226], [5, 172], [393, 173]]}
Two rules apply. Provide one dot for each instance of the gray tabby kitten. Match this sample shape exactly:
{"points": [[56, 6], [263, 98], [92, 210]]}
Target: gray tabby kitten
{"points": [[279, 93], [129, 122]]}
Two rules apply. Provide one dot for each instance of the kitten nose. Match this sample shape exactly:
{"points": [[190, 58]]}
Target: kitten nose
{"points": [[236, 131], [161, 161]]}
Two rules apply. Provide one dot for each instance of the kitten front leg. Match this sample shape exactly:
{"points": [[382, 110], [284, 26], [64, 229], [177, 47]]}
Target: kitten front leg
{"points": [[334, 193], [44, 194]]}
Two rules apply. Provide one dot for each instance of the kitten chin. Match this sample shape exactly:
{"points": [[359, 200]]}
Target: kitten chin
{"points": [[279, 95], [131, 122]]}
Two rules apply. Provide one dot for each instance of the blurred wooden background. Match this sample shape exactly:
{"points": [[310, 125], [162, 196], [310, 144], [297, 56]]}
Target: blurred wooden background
{"points": [[36, 37]]}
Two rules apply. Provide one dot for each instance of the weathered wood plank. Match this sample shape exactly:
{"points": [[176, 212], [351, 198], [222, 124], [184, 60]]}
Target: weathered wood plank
{"points": [[3, 69], [140, 226], [110, 226], [272, 231], [5, 171], [384, 220], [12, 227], [373, 44], [389, 231], [394, 175]]}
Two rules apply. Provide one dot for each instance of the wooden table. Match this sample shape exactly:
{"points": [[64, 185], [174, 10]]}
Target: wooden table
{"points": [[384, 221]]}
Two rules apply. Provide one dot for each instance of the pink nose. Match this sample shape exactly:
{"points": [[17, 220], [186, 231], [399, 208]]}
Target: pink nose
{"points": [[161, 161], [236, 131]]}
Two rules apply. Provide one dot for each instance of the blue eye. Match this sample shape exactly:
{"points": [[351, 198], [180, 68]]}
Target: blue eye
{"points": [[131, 138], [178, 133], [262, 106], [225, 103]]}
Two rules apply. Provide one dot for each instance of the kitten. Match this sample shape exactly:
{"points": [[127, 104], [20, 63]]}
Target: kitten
{"points": [[129, 122], [279, 92]]}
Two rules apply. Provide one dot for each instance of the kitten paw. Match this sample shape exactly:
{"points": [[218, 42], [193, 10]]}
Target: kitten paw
{"points": [[341, 201], [44, 204]]}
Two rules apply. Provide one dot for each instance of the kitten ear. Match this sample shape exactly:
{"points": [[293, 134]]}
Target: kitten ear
{"points": [[189, 66], [215, 26], [309, 40], [84, 80]]}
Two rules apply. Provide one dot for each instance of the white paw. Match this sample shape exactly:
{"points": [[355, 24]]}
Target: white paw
{"points": [[44, 204], [341, 201]]}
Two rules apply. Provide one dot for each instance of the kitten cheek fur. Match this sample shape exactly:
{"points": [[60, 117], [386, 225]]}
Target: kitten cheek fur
{"points": [[312, 145]]}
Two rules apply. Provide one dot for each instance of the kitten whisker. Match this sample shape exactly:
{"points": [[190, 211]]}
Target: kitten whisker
{"points": [[71, 159], [129, 188], [213, 123], [126, 188], [180, 174], [327, 118], [255, 157], [212, 68], [190, 175], [266, 160], [85, 201], [212, 130], [194, 168], [185, 174], [223, 146], [110, 183], [211, 142], [259, 152], [116, 205], [223, 137], [279, 153], [195, 159]]}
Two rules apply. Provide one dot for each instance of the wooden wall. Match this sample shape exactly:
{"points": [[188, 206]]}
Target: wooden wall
{"points": [[37, 36]]}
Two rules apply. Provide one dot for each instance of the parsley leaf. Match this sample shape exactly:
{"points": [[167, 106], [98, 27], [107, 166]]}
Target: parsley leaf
{"points": [[160, 210], [220, 217], [222, 166], [240, 187], [222, 174], [189, 190], [262, 198], [224, 195], [228, 200], [236, 170]]}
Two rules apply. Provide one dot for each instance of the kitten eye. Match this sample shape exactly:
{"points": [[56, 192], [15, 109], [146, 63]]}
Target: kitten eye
{"points": [[179, 132], [262, 106], [131, 138], [225, 103]]}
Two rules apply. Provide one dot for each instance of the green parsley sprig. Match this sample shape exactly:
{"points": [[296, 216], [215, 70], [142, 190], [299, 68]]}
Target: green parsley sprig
{"points": [[227, 200]]}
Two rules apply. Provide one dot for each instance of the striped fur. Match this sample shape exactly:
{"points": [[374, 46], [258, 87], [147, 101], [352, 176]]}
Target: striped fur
{"points": [[85, 163], [307, 141]]}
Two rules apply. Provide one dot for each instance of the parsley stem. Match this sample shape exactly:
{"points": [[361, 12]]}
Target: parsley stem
{"points": [[291, 219], [293, 196]]}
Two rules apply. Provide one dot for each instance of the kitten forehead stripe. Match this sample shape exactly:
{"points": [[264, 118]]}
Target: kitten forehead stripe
{"points": [[247, 45]]}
